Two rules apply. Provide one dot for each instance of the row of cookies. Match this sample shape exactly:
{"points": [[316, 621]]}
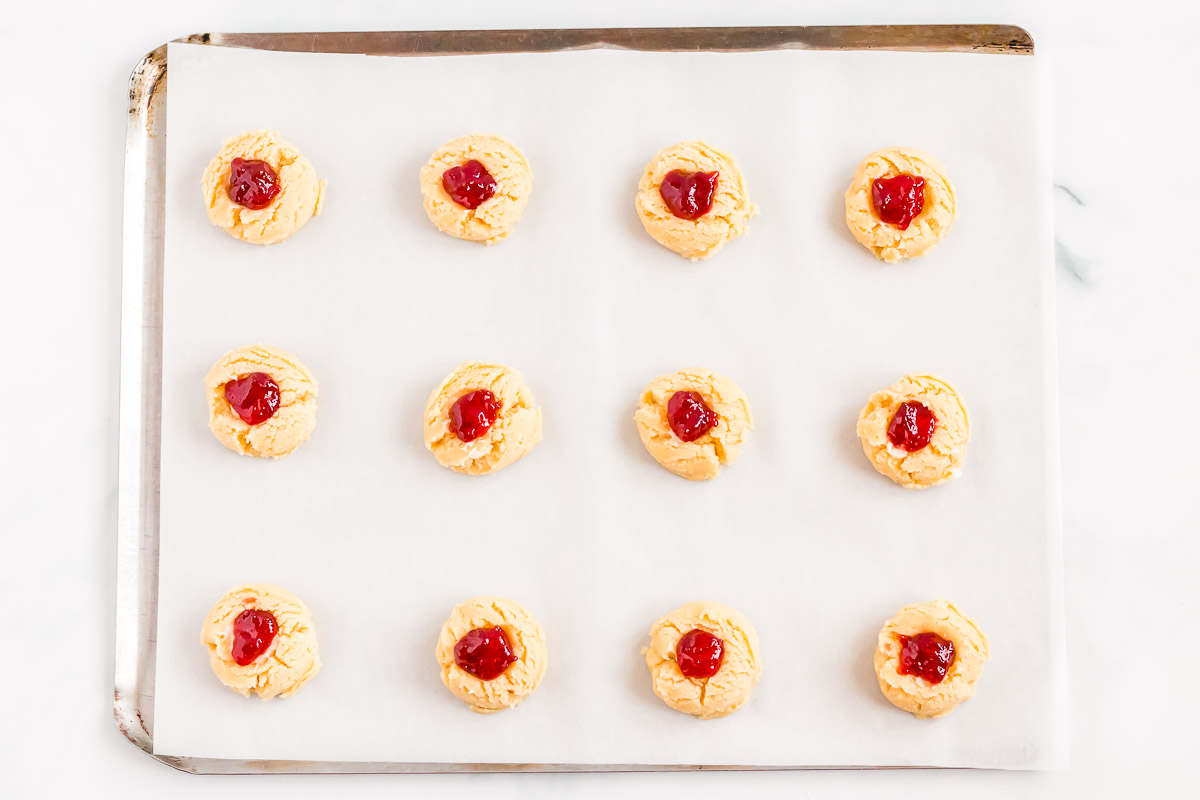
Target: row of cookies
{"points": [[704, 658], [691, 198], [482, 417]]}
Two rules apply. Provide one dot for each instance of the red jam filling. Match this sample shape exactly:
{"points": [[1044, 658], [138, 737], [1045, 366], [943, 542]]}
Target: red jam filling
{"points": [[690, 416], [926, 655], [472, 414], [699, 654], [911, 427], [689, 195], [469, 184], [253, 397], [899, 200], [253, 632], [252, 184], [484, 652]]}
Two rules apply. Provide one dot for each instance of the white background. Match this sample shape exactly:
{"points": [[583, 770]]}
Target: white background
{"points": [[1125, 128]]}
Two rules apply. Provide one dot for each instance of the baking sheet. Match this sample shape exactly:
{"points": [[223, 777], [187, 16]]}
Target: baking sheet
{"points": [[588, 532]]}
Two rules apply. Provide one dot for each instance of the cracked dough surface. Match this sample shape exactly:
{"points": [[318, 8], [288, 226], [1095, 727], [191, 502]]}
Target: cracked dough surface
{"points": [[888, 242], [701, 459], [524, 635], [700, 238], [516, 431], [288, 427], [495, 218], [300, 194], [931, 465], [727, 690], [288, 662], [917, 695]]}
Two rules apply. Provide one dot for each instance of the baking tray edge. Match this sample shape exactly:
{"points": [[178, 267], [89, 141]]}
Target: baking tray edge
{"points": [[141, 316]]}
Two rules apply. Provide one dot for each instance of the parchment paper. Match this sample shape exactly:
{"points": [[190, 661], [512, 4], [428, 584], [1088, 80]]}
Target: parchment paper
{"points": [[801, 535]]}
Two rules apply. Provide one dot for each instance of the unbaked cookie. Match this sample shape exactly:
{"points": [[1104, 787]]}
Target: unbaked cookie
{"points": [[260, 640], [481, 418], [693, 421], [900, 203], [476, 187], [261, 401], [915, 431], [929, 657], [704, 659], [692, 199], [492, 653], [260, 189]]}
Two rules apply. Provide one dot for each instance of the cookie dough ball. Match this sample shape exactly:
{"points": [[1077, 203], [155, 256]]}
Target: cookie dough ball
{"points": [[694, 237], [492, 653], [704, 659], [262, 401], [693, 421], [915, 431], [299, 196], [476, 187], [929, 657], [904, 237], [260, 640], [481, 418]]}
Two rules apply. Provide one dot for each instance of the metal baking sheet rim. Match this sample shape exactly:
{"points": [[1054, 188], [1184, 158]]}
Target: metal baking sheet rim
{"points": [[141, 317]]}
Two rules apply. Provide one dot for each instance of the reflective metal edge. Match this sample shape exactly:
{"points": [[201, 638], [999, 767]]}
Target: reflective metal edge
{"points": [[140, 405], [1008, 39], [141, 317]]}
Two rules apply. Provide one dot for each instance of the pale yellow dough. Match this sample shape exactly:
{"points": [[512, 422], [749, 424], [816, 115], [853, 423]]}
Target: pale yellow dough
{"points": [[299, 199], [288, 662], [888, 242], [741, 667], [931, 465], [525, 637], [915, 694], [495, 218], [699, 238], [516, 431], [288, 427], [701, 459]]}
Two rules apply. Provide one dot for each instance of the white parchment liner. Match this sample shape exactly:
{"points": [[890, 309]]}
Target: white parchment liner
{"points": [[801, 535]]}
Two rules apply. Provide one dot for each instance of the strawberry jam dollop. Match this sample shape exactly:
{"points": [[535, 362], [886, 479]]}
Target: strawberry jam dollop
{"points": [[484, 652], [689, 416], [899, 200], [253, 397], [473, 414], [470, 184], [926, 655], [689, 195], [252, 184], [253, 632], [699, 654], [912, 426]]}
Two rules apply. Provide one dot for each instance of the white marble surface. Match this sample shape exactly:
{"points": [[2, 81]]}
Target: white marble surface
{"points": [[1128, 341]]}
